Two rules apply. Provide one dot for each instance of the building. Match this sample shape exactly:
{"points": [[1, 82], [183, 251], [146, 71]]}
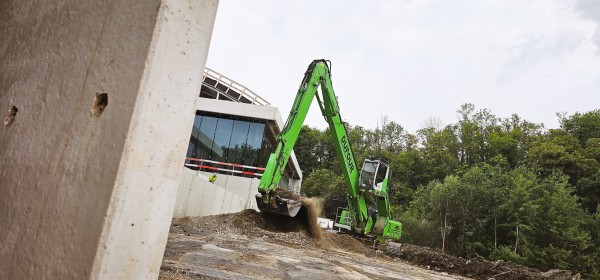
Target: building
{"points": [[233, 135]]}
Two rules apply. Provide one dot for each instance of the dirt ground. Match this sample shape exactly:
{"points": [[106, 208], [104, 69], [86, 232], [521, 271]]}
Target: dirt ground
{"points": [[252, 245], [477, 267]]}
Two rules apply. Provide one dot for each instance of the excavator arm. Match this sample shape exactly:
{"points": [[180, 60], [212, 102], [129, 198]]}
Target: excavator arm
{"points": [[317, 76]]}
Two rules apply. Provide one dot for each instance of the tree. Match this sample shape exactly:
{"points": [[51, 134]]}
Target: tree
{"points": [[463, 209], [387, 138], [469, 135], [393, 137], [440, 199], [320, 183], [558, 151], [548, 222], [589, 191], [520, 209], [593, 252], [439, 152], [559, 228], [433, 122], [583, 126], [327, 152], [307, 149], [357, 135]]}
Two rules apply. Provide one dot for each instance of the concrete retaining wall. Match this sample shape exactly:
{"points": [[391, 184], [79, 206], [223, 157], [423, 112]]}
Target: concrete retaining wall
{"points": [[196, 196]]}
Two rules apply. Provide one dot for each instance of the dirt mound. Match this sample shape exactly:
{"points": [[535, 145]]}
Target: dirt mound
{"points": [[281, 229], [248, 221], [346, 242], [477, 267], [294, 232]]}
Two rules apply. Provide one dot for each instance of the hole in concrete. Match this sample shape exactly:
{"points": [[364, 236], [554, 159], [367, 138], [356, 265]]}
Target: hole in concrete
{"points": [[100, 103], [11, 115]]}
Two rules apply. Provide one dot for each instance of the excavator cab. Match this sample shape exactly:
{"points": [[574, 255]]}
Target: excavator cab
{"points": [[373, 174]]}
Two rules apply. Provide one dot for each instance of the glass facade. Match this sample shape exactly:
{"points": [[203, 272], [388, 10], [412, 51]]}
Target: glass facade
{"points": [[230, 140]]}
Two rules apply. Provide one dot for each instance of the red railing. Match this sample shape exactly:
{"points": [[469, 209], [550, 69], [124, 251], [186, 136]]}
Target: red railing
{"points": [[201, 164]]}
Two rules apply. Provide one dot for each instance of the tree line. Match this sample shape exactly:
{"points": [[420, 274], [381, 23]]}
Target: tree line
{"points": [[502, 188]]}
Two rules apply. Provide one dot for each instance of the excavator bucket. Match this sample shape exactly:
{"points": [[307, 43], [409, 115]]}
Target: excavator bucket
{"points": [[278, 205]]}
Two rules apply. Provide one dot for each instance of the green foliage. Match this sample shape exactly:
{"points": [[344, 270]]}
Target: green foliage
{"points": [[508, 254], [500, 188], [583, 126], [439, 152], [314, 149], [589, 190], [417, 225], [323, 183], [593, 252], [464, 209], [553, 221]]}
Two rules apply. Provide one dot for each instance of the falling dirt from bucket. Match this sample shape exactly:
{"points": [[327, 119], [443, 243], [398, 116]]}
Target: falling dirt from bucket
{"points": [[312, 209]]}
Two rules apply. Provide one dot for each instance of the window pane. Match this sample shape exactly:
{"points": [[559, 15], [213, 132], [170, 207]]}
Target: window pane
{"points": [[194, 138], [228, 140], [367, 175], [255, 135], [190, 150], [265, 152], [238, 141], [381, 173], [222, 137], [205, 137]]}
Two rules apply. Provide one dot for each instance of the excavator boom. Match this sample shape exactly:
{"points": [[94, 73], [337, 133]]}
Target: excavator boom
{"points": [[317, 76]]}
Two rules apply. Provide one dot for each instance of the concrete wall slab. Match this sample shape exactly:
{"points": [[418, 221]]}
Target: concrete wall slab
{"points": [[141, 206], [204, 198], [88, 186], [193, 207], [183, 192]]}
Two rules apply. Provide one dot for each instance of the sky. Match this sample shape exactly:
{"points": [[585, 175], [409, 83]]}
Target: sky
{"points": [[416, 60]]}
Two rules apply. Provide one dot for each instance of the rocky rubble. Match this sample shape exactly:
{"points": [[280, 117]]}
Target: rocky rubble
{"points": [[477, 267]]}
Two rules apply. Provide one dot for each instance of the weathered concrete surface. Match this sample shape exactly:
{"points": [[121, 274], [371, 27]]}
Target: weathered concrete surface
{"points": [[89, 191]]}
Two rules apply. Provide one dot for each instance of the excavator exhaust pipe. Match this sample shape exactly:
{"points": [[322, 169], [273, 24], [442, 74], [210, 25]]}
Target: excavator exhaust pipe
{"points": [[278, 205]]}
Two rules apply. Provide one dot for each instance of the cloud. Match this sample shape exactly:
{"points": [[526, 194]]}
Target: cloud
{"points": [[414, 59], [590, 9]]}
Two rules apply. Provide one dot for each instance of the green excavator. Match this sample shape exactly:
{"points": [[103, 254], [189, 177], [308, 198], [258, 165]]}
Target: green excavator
{"points": [[370, 182]]}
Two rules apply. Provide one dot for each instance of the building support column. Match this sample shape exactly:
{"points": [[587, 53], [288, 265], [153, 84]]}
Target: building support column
{"points": [[98, 100]]}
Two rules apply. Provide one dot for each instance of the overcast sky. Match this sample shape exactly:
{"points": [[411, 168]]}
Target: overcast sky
{"points": [[412, 60]]}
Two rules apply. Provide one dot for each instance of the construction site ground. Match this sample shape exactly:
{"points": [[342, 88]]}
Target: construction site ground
{"points": [[252, 245]]}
